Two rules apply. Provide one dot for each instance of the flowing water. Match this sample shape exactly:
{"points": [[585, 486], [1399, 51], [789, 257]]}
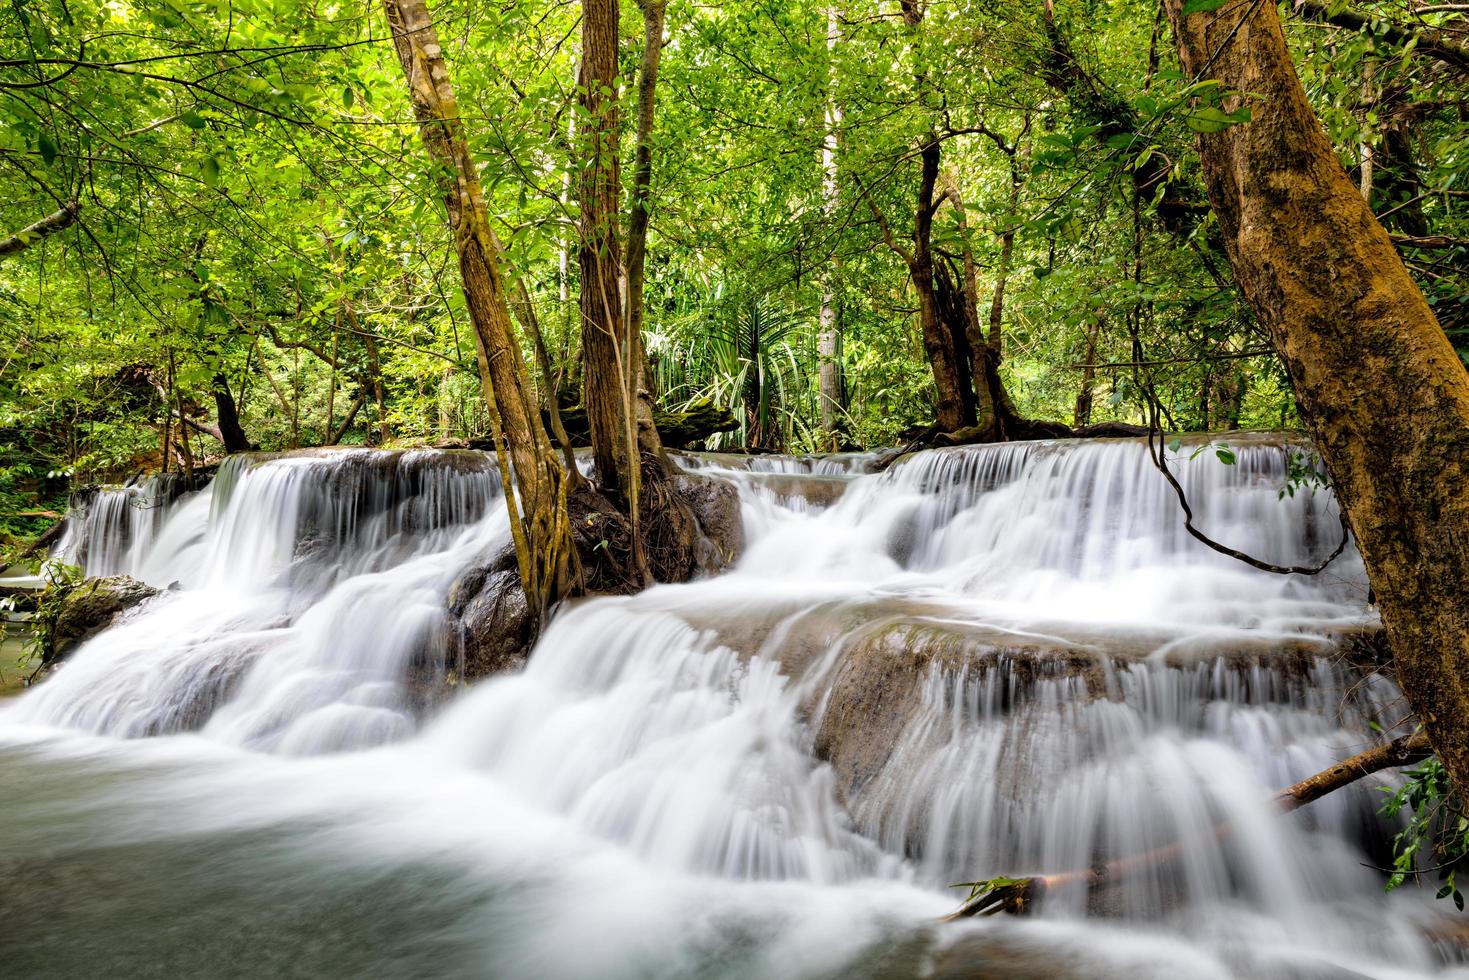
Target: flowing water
{"points": [[979, 662]]}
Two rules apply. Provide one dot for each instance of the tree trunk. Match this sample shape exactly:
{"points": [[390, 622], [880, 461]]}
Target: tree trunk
{"points": [[542, 535], [955, 407], [637, 224], [754, 382], [1381, 389], [969, 340], [608, 383], [227, 415], [829, 378], [1082, 415]]}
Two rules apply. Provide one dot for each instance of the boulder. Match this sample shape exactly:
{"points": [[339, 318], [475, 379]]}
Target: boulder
{"points": [[493, 627], [716, 507], [73, 615]]}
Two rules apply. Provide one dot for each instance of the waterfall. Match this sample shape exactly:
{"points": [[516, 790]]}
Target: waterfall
{"points": [[973, 662], [301, 589]]}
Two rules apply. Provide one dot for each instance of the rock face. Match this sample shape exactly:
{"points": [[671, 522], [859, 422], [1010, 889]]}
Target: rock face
{"points": [[86, 610]]}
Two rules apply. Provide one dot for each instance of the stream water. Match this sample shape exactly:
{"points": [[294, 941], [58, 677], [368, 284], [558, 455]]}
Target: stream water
{"points": [[987, 661]]}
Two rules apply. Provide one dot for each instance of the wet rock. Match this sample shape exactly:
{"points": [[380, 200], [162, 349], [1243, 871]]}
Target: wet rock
{"points": [[715, 504], [83, 611], [494, 626]]}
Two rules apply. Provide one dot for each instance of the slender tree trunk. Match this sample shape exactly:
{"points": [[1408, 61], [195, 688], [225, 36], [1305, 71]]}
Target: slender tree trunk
{"points": [[374, 371], [331, 387], [538, 517], [755, 436], [1381, 389], [167, 448], [829, 377], [1083, 412], [335, 435], [637, 225], [227, 415], [995, 342], [550, 378]]}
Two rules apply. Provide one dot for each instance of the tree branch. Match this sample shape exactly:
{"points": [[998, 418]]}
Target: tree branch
{"points": [[1431, 42], [58, 220]]}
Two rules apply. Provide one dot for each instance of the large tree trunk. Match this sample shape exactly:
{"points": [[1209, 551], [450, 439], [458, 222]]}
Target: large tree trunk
{"points": [[542, 535], [608, 386], [1378, 384]]}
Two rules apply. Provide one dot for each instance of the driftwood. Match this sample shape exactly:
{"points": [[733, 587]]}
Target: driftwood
{"points": [[1016, 895], [1401, 751]]}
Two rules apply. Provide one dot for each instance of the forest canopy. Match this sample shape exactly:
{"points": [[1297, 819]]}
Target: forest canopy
{"points": [[219, 228]]}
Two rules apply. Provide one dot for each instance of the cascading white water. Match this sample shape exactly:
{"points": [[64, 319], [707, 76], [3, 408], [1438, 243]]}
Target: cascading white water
{"points": [[301, 589], [981, 661]]}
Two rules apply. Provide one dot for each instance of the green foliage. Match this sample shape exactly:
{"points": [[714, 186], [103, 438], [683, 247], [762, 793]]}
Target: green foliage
{"points": [[61, 580], [255, 215], [1304, 471], [1436, 832]]}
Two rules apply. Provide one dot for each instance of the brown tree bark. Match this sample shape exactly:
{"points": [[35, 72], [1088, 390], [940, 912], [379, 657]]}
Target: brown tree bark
{"points": [[608, 383], [1382, 391], [538, 516], [954, 408], [962, 312]]}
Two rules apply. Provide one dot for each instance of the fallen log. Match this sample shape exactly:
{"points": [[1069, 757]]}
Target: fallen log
{"points": [[678, 429], [1014, 895], [45, 540]]}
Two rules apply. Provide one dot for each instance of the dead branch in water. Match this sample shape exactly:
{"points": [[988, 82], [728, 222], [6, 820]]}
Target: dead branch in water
{"points": [[1015, 895]]}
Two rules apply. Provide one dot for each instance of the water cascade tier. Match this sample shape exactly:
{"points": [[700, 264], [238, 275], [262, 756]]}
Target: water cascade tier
{"points": [[974, 662]]}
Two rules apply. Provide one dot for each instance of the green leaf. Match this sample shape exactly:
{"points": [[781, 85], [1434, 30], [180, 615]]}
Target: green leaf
{"points": [[1202, 6], [1208, 119], [349, 97], [192, 119], [1226, 455], [47, 148], [211, 170]]}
